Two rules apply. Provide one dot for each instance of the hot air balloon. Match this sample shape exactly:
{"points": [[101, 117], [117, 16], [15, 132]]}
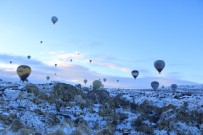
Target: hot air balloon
{"points": [[174, 87], [159, 65], [104, 79], [135, 73], [90, 61], [117, 80], [85, 81], [41, 42], [71, 60], [155, 85], [78, 53], [10, 62], [28, 56], [96, 84], [23, 72], [48, 77], [54, 19], [55, 65]]}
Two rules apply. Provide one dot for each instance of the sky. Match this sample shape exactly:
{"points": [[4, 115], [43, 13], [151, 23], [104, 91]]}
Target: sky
{"points": [[118, 36]]}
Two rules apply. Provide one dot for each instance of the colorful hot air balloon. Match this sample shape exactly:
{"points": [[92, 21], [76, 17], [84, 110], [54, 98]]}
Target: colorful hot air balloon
{"points": [[55, 65], [10, 62], [23, 72], [71, 60], [174, 87], [159, 65], [28, 56], [54, 19], [85, 81], [155, 85], [90, 61], [41, 42], [135, 73]]}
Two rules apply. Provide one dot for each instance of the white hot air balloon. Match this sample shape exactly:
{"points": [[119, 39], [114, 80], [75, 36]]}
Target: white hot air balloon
{"points": [[135, 73], [155, 85], [85, 81], [174, 87], [159, 65], [54, 19]]}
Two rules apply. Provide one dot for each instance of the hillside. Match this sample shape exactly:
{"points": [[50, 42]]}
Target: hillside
{"points": [[63, 109]]}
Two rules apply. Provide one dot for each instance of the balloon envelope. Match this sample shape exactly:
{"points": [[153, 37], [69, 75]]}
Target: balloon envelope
{"points": [[23, 72], [48, 77], [85, 81], [90, 61], [159, 65], [104, 79], [135, 73], [54, 19], [28, 56], [10, 62], [41, 42], [174, 87], [155, 85]]}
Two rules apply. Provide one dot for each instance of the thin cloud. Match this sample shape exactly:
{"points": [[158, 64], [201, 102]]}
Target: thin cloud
{"points": [[72, 73], [63, 59]]}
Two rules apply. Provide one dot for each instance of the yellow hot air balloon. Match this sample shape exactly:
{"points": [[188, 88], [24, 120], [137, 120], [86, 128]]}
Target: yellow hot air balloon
{"points": [[23, 72]]}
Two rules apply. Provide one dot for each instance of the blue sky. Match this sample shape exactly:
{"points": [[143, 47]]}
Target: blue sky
{"points": [[119, 36]]}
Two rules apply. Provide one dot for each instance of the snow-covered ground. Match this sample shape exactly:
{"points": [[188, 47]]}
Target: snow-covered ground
{"points": [[44, 117]]}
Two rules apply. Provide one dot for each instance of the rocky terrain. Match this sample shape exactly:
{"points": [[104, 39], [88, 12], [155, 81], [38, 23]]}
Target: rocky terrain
{"points": [[63, 109]]}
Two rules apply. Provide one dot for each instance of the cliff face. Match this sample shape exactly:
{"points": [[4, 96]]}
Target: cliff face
{"points": [[61, 109]]}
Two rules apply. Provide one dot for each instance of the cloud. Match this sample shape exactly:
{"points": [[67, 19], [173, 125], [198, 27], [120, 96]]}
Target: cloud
{"points": [[63, 59], [74, 73], [145, 82]]}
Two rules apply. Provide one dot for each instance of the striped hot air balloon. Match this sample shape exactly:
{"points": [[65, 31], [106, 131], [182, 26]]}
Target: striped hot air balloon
{"points": [[23, 72]]}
